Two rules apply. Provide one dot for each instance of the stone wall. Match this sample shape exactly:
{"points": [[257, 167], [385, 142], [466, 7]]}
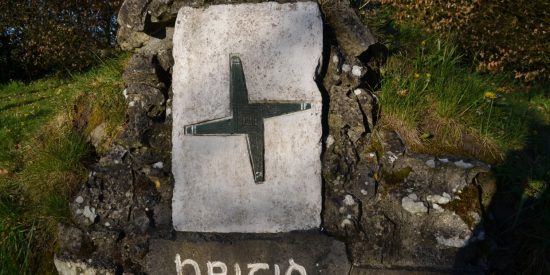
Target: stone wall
{"points": [[393, 209]]}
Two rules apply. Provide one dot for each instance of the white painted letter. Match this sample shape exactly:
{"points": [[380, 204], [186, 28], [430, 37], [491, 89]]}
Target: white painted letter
{"points": [[212, 265], [255, 267], [237, 269], [180, 265], [295, 267], [277, 270]]}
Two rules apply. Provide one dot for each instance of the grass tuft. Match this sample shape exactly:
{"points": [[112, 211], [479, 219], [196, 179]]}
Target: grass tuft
{"points": [[44, 155], [441, 106]]}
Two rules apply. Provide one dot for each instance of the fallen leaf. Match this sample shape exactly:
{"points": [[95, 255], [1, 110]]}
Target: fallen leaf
{"points": [[426, 136], [157, 184]]}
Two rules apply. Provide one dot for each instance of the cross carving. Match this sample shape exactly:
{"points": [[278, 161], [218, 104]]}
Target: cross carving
{"points": [[247, 118]]}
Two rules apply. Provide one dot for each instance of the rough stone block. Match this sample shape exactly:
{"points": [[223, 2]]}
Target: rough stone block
{"points": [[279, 254], [280, 46]]}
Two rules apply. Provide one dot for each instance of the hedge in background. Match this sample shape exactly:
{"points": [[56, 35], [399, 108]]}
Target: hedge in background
{"points": [[45, 36], [502, 35]]}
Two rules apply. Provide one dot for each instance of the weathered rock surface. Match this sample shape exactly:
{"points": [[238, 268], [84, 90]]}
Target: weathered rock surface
{"points": [[294, 253], [412, 217], [65, 267], [145, 22], [350, 32], [394, 209]]}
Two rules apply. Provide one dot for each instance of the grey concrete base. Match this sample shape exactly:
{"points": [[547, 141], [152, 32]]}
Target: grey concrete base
{"points": [[280, 46], [304, 253]]}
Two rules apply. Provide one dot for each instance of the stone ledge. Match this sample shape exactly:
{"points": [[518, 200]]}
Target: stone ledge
{"points": [[313, 252]]}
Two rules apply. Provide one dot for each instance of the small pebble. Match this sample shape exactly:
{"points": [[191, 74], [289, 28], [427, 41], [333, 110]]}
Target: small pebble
{"points": [[330, 141], [438, 199], [342, 210], [89, 212], [437, 208], [158, 165], [346, 222], [357, 71], [346, 68], [409, 203], [463, 164], [392, 157], [348, 200], [79, 199]]}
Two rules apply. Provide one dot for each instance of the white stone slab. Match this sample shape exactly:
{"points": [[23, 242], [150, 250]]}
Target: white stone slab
{"points": [[280, 46]]}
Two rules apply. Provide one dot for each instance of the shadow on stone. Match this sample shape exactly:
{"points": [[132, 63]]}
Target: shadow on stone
{"points": [[516, 221]]}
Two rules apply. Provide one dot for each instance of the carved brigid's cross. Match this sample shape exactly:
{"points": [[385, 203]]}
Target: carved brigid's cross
{"points": [[247, 119]]}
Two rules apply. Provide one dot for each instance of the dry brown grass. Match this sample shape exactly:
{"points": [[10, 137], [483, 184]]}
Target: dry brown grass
{"points": [[442, 136]]}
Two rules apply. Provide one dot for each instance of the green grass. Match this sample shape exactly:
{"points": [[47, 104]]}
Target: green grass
{"points": [[440, 105], [23, 108], [42, 157], [16, 237]]}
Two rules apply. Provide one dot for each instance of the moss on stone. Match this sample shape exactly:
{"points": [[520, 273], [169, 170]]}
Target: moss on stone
{"points": [[396, 177], [469, 202]]}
